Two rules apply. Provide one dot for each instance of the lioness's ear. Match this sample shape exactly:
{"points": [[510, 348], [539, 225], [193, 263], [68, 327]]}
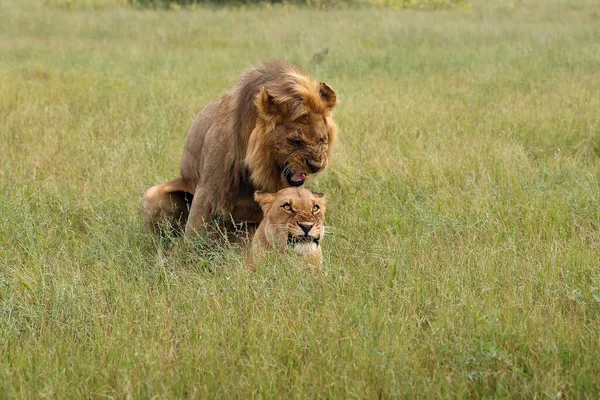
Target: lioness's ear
{"points": [[266, 104], [318, 195], [264, 200], [328, 95]]}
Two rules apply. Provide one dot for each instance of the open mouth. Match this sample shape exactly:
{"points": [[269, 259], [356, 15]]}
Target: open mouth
{"points": [[293, 240], [293, 178]]}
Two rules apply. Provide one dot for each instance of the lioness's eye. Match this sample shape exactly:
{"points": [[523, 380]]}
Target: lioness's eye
{"points": [[295, 141], [287, 207], [316, 209]]}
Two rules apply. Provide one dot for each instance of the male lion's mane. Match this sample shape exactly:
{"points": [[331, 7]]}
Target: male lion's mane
{"points": [[294, 93]]}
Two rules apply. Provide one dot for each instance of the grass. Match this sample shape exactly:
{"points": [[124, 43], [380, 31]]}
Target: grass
{"points": [[464, 205]]}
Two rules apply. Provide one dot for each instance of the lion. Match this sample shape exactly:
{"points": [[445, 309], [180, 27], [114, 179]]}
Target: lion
{"points": [[293, 218], [272, 130]]}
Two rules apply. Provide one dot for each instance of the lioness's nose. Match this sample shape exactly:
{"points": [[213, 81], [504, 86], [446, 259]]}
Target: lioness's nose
{"points": [[306, 227], [314, 167]]}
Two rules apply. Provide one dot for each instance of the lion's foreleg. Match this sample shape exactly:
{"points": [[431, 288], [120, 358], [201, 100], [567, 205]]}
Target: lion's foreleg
{"points": [[201, 212]]}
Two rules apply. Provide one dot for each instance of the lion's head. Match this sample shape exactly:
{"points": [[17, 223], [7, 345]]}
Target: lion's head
{"points": [[293, 217], [294, 133]]}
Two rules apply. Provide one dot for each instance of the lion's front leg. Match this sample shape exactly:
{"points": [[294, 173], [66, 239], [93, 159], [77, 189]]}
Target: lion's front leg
{"points": [[201, 213]]}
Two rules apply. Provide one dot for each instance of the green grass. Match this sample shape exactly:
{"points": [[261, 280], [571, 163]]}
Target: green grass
{"points": [[464, 205]]}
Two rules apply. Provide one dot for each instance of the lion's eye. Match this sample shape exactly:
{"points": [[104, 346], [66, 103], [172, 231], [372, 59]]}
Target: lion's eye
{"points": [[303, 119], [287, 207], [295, 141], [316, 209]]}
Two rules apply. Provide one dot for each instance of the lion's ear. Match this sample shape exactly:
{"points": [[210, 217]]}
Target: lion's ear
{"points": [[264, 200], [266, 104], [327, 95]]}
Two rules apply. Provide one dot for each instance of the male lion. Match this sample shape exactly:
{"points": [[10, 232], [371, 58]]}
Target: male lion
{"points": [[270, 131], [294, 217]]}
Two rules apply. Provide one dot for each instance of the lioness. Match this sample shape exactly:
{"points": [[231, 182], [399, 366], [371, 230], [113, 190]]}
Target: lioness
{"points": [[292, 217], [270, 131]]}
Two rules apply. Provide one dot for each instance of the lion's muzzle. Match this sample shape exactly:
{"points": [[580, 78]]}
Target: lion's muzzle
{"points": [[314, 166], [292, 177]]}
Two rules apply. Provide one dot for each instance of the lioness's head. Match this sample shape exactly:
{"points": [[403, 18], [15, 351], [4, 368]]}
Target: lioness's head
{"points": [[294, 133], [293, 217]]}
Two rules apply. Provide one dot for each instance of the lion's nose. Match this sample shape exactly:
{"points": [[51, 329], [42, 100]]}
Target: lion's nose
{"points": [[306, 227], [314, 167]]}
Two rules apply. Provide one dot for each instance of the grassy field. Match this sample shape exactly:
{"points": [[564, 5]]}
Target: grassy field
{"points": [[464, 205]]}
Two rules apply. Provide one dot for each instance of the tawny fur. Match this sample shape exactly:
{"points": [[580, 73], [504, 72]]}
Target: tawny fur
{"points": [[294, 219], [275, 123]]}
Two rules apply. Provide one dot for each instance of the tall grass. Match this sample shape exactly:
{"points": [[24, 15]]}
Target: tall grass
{"points": [[464, 205], [193, 4]]}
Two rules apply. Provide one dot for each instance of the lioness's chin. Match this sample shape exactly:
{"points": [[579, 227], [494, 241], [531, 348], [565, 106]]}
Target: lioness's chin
{"points": [[306, 248], [304, 245]]}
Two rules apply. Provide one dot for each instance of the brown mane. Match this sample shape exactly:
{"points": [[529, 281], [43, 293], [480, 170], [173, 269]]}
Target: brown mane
{"points": [[291, 89]]}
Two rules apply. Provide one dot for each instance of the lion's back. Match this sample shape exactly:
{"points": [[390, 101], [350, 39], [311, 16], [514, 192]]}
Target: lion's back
{"points": [[193, 149]]}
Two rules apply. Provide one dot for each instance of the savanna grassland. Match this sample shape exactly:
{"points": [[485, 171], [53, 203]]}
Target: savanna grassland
{"points": [[463, 251]]}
